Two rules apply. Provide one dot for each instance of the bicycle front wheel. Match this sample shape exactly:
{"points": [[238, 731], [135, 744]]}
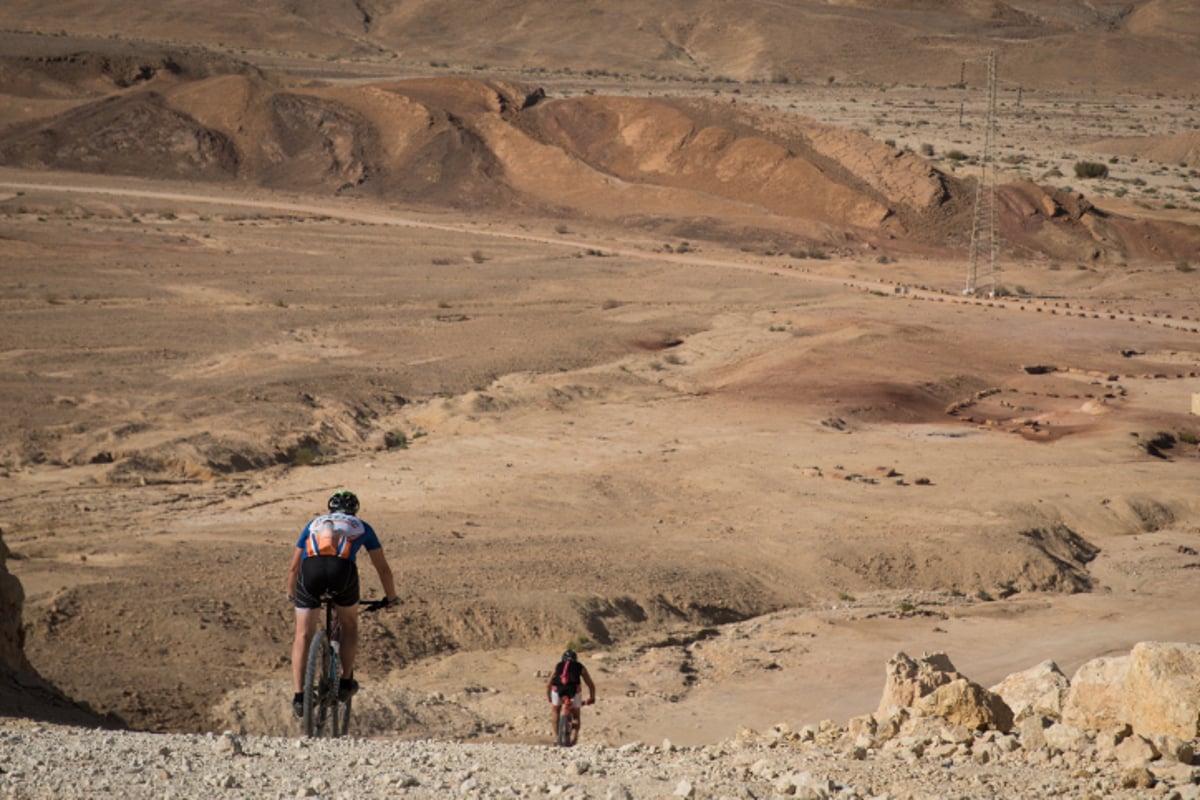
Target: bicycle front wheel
{"points": [[316, 684], [339, 710]]}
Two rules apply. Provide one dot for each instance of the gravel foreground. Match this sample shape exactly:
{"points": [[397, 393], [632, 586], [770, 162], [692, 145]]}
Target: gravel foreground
{"points": [[39, 760]]}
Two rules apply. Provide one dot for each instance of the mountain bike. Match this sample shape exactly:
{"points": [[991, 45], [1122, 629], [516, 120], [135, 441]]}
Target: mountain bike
{"points": [[324, 713], [568, 722]]}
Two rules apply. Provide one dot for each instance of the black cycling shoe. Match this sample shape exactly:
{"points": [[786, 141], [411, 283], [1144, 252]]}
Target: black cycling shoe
{"points": [[346, 689], [298, 707]]}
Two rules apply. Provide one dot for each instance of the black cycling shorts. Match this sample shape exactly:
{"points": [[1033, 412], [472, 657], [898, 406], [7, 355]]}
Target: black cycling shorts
{"points": [[326, 574]]}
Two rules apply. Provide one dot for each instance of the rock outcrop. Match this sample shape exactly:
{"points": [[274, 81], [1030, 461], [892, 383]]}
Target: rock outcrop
{"points": [[12, 596], [931, 687]]}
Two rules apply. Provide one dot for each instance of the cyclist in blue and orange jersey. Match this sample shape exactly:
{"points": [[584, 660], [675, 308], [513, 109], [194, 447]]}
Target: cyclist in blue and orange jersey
{"points": [[323, 561], [564, 682]]}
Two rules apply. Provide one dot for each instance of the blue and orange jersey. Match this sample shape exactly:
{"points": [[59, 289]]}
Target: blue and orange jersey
{"points": [[338, 535]]}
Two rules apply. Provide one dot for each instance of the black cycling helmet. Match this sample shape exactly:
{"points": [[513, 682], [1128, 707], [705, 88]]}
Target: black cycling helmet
{"points": [[344, 502], [569, 656]]}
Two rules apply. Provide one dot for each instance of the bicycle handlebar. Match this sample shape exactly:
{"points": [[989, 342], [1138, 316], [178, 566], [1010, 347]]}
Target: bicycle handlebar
{"points": [[377, 604]]}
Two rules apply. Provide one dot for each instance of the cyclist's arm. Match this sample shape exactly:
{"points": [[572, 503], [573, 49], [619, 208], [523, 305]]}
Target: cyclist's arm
{"points": [[379, 561], [591, 686], [294, 573]]}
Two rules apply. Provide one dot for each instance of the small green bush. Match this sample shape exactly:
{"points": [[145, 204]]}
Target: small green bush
{"points": [[1090, 169]]}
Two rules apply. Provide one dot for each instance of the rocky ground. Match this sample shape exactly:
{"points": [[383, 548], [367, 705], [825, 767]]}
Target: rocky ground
{"points": [[53, 762]]}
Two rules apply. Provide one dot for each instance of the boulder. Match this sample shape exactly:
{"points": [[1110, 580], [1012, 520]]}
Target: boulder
{"points": [[1095, 700], [1038, 691], [1162, 692], [1065, 738], [963, 702], [1153, 690]]}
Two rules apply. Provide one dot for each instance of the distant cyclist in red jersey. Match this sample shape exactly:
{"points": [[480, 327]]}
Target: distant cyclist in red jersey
{"points": [[564, 682]]}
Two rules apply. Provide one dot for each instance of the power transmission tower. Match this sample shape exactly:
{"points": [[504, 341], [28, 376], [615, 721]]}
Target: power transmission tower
{"points": [[983, 226]]}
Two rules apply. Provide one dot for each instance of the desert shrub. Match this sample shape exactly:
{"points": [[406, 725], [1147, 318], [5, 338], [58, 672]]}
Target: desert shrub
{"points": [[1090, 169], [1187, 437], [441, 262], [478, 257], [1184, 266], [923, 482], [303, 457], [395, 440], [956, 155], [580, 644], [926, 149]]}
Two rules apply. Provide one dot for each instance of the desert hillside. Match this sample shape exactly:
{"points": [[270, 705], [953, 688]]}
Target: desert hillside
{"points": [[655, 332], [1062, 44]]}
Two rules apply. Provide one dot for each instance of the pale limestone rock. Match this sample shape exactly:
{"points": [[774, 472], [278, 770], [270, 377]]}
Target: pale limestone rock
{"points": [[1174, 748], [1163, 693], [1135, 751], [1153, 689], [1096, 700], [1032, 732], [1038, 690], [1065, 738]]}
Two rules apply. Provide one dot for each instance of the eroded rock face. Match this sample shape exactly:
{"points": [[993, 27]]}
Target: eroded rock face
{"points": [[910, 679], [12, 596]]}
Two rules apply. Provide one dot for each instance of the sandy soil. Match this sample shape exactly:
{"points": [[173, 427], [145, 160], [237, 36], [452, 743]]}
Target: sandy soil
{"points": [[735, 476]]}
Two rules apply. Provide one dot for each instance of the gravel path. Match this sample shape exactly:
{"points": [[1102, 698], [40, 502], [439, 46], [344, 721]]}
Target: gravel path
{"points": [[39, 760]]}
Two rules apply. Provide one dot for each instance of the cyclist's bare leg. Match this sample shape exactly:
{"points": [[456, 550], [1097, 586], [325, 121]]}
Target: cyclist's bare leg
{"points": [[575, 718], [306, 626], [554, 713], [348, 622]]}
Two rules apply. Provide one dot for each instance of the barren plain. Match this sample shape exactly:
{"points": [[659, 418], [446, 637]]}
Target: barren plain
{"points": [[678, 371]]}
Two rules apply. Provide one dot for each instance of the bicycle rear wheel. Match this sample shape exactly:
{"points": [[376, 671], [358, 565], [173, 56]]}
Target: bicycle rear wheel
{"points": [[316, 685], [564, 726]]}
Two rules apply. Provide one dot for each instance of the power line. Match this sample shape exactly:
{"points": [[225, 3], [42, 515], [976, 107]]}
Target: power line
{"points": [[983, 223]]}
